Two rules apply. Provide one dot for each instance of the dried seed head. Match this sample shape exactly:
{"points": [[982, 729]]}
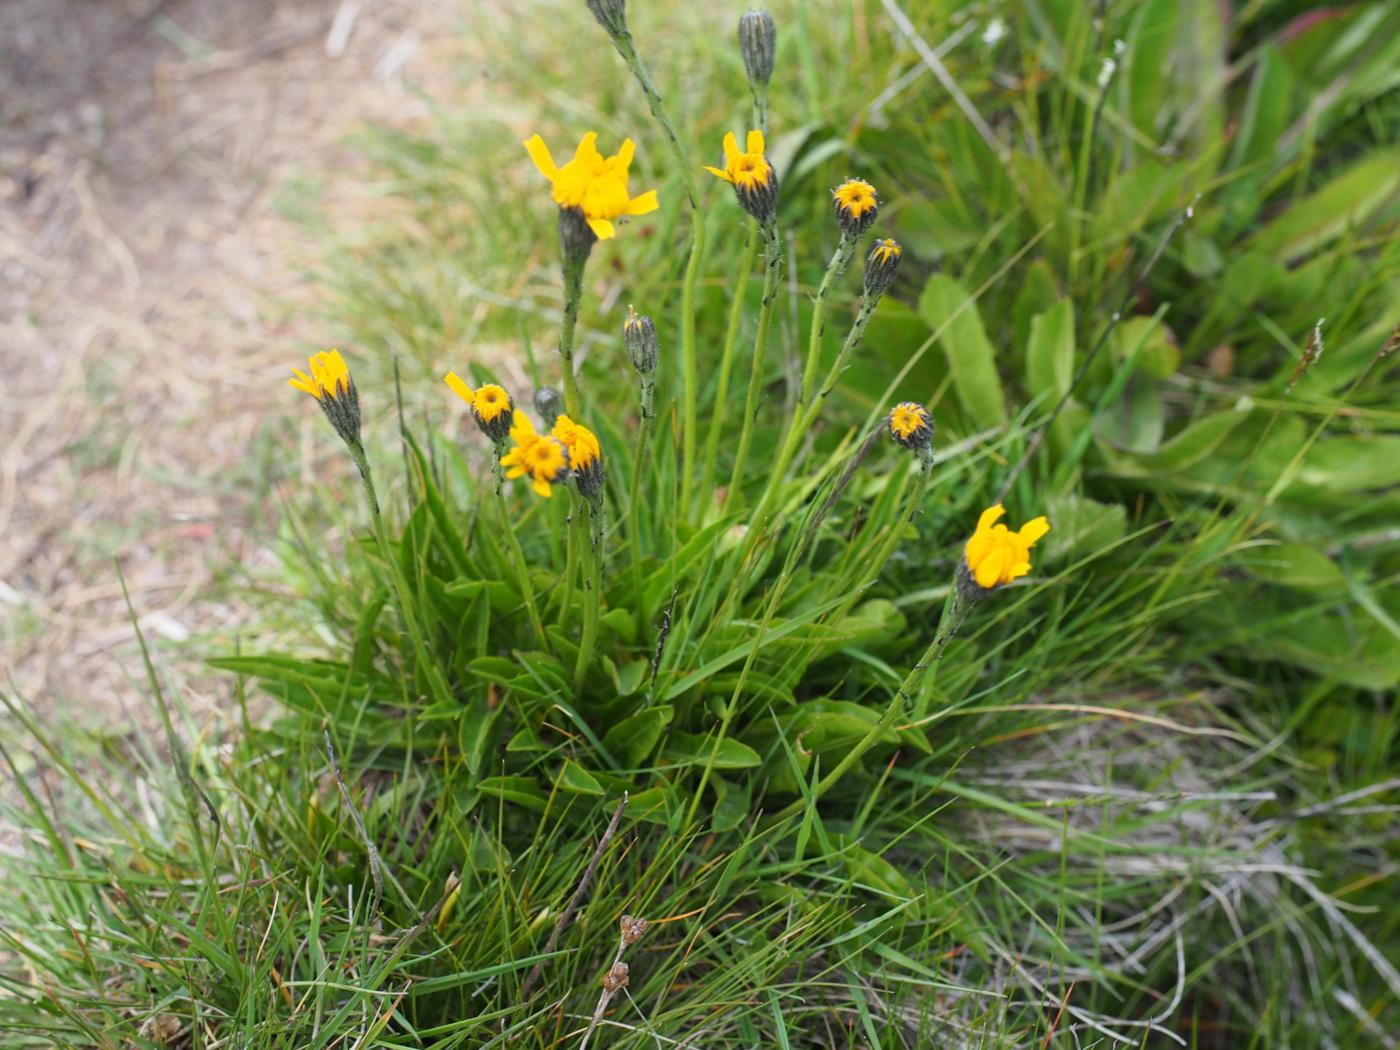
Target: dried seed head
{"points": [[549, 403], [758, 44], [633, 929], [643, 348], [881, 265], [1312, 350], [615, 979], [611, 15]]}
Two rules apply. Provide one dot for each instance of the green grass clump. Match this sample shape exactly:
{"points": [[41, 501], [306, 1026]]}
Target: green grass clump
{"points": [[1140, 798]]}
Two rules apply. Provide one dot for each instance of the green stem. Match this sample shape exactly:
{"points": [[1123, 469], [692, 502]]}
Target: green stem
{"points": [[639, 462], [566, 596], [952, 618], [840, 259], [689, 361], [573, 293], [772, 267], [517, 554], [726, 363], [593, 562]]}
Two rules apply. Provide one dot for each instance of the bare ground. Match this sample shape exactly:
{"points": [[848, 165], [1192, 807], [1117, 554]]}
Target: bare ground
{"points": [[149, 294]]}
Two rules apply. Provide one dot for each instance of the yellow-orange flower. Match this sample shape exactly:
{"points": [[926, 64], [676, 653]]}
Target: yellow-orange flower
{"points": [[594, 184], [334, 390], [753, 178], [330, 376], [911, 425], [585, 455], [540, 456], [995, 555], [491, 405], [885, 252], [856, 206]]}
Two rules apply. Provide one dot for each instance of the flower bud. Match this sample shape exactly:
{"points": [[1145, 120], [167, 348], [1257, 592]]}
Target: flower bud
{"points": [[881, 265], [633, 929], [856, 206], [639, 334], [758, 44], [549, 403], [911, 425], [611, 15], [576, 237]]}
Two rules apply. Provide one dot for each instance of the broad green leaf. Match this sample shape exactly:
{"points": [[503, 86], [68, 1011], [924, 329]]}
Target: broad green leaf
{"points": [[1135, 421], [1268, 110], [522, 791], [577, 780], [1347, 464], [969, 352], [1194, 443], [1050, 353], [732, 802], [1081, 526], [1343, 204], [694, 749], [1300, 566], [632, 739], [1144, 83]]}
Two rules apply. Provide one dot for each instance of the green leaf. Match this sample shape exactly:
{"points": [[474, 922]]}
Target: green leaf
{"points": [[1296, 565], [1348, 464], [694, 749], [1050, 353], [577, 780], [1193, 444], [521, 790], [1134, 423], [1267, 112], [732, 803], [1081, 526], [632, 739], [1345, 203], [946, 305]]}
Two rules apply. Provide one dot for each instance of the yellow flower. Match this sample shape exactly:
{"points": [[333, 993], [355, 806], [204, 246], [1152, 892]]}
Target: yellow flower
{"points": [[491, 405], [593, 184], [330, 376], [995, 555], [748, 171], [856, 206], [581, 442], [334, 390], [910, 425], [542, 457], [885, 252], [585, 455]]}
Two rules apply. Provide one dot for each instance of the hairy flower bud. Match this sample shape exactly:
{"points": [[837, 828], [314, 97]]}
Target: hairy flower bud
{"points": [[758, 44], [881, 265], [549, 403], [611, 15], [639, 334]]}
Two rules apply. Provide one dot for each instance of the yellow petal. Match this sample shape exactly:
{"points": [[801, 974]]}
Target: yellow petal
{"points": [[542, 487], [540, 154], [718, 173], [647, 202], [989, 517], [304, 384], [988, 571], [588, 149], [731, 148], [459, 387], [521, 428], [755, 142], [602, 229], [1034, 529], [623, 160]]}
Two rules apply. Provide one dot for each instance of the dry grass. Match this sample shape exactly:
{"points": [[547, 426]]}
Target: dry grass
{"points": [[147, 307]]}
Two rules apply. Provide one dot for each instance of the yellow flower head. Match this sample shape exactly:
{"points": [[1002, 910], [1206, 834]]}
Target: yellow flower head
{"points": [[856, 206], [910, 425], [885, 252], [330, 384], [330, 376], [491, 405], [593, 184], [753, 178], [881, 265], [542, 457], [995, 555], [585, 455]]}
